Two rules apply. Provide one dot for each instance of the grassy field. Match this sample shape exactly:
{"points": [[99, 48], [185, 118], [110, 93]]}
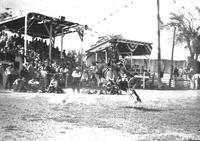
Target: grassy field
{"points": [[163, 115]]}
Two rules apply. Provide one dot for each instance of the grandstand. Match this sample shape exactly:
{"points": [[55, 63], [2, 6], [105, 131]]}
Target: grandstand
{"points": [[38, 52]]}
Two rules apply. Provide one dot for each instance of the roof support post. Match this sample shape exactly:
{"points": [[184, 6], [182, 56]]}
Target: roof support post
{"points": [[131, 60], [82, 54], [96, 56], [50, 43], [25, 35], [106, 57], [47, 28], [61, 52], [149, 63]]}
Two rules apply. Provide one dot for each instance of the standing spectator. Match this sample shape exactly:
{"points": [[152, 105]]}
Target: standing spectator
{"points": [[64, 53], [44, 78], [1, 74], [176, 73], [9, 78], [76, 75], [66, 74], [24, 72], [180, 72]]}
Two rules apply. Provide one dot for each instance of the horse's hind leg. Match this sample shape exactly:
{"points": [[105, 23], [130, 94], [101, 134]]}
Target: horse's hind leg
{"points": [[137, 96], [130, 93]]}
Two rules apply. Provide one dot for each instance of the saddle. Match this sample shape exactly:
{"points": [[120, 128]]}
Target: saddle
{"points": [[125, 85]]}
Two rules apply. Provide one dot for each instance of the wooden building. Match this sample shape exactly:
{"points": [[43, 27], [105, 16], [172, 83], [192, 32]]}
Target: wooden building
{"points": [[120, 46]]}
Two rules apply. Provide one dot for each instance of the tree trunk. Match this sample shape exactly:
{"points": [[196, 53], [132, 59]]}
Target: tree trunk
{"points": [[193, 49], [190, 49]]}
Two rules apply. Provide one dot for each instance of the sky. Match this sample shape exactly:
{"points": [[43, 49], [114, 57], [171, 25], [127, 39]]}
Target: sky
{"points": [[133, 19]]}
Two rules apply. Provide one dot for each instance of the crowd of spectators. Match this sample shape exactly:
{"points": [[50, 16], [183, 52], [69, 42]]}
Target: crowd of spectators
{"points": [[10, 46], [37, 73]]}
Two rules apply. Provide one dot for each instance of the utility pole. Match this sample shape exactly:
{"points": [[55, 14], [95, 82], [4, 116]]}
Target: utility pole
{"points": [[172, 57], [25, 36], [159, 52]]}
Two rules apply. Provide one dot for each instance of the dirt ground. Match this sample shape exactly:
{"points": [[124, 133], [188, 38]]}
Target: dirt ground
{"points": [[163, 115]]}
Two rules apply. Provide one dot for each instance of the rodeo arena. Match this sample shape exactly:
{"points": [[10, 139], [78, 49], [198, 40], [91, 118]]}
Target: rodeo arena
{"points": [[30, 63], [35, 66]]}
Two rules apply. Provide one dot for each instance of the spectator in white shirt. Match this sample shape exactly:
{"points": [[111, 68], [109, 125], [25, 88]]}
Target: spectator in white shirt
{"points": [[76, 75]]}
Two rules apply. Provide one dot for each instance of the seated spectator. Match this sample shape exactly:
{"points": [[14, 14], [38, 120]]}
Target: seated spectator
{"points": [[33, 85], [54, 85], [20, 85], [16, 84]]}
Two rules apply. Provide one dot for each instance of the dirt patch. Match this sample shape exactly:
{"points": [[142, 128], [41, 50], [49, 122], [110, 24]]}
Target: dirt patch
{"points": [[99, 117]]}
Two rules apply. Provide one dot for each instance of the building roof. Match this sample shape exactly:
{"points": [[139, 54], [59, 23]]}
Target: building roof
{"points": [[38, 25], [125, 47]]}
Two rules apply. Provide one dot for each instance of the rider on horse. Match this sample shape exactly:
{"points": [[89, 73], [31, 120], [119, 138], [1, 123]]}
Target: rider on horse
{"points": [[125, 79]]}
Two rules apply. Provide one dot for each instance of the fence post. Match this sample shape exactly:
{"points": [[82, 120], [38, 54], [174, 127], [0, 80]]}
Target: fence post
{"points": [[143, 80], [175, 79]]}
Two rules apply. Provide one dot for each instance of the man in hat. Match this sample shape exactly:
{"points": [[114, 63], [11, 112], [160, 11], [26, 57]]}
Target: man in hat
{"points": [[76, 75]]}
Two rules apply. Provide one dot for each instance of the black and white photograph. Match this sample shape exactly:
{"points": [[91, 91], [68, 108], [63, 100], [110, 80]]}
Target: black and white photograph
{"points": [[99, 70]]}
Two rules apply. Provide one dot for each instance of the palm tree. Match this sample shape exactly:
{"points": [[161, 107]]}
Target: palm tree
{"points": [[195, 44], [186, 33]]}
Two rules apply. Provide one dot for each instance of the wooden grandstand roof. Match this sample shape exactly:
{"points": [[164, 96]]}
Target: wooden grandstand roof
{"points": [[38, 25]]}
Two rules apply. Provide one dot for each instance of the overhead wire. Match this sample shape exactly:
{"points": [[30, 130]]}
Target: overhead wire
{"points": [[111, 14], [102, 21], [106, 18]]}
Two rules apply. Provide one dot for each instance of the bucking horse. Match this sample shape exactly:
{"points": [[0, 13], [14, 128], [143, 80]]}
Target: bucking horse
{"points": [[116, 79]]}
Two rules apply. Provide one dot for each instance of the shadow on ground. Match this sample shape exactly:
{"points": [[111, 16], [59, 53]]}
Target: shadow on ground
{"points": [[145, 109]]}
